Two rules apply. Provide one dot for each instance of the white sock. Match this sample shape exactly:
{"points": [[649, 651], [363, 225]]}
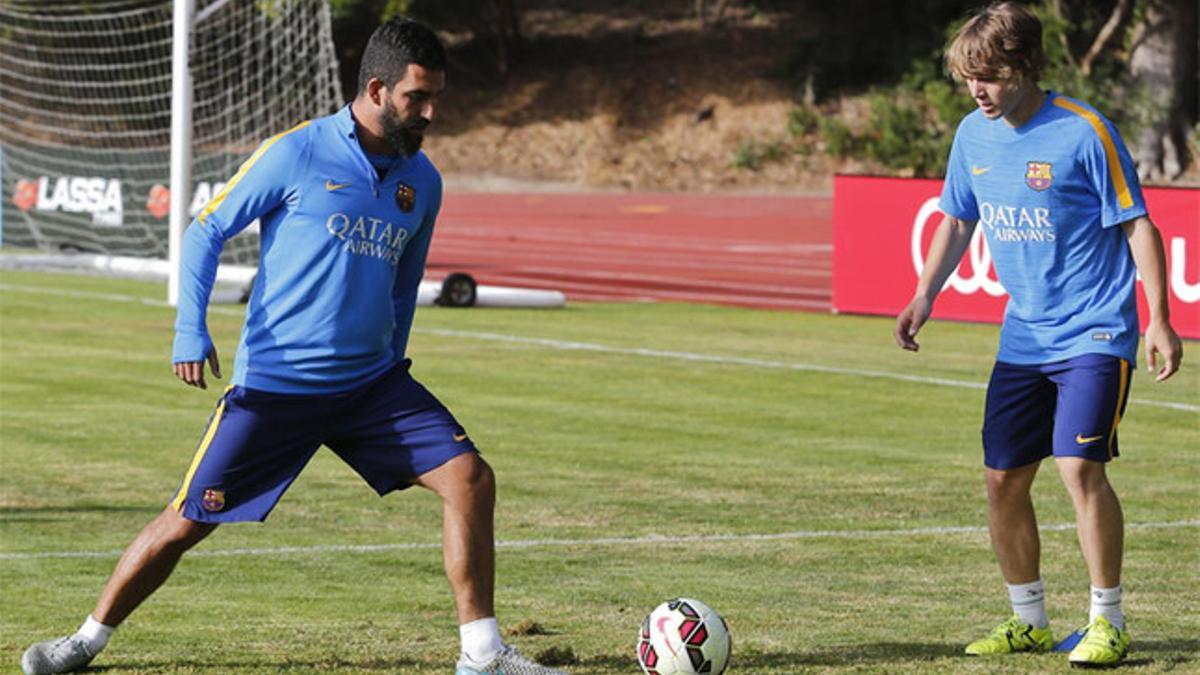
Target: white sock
{"points": [[1029, 602], [95, 633], [1106, 602], [481, 639]]}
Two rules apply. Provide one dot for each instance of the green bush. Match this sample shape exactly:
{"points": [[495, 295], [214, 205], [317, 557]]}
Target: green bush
{"points": [[751, 155], [909, 127], [803, 120], [839, 140]]}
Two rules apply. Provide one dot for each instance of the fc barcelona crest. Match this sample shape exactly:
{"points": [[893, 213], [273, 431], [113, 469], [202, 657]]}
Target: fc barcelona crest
{"points": [[406, 197], [214, 500], [1037, 175]]}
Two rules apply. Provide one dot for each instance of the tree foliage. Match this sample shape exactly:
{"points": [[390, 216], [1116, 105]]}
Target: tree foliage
{"points": [[910, 124], [382, 10], [496, 22]]}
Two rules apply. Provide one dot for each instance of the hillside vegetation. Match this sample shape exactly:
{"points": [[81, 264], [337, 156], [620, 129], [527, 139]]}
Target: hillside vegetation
{"points": [[766, 96]]}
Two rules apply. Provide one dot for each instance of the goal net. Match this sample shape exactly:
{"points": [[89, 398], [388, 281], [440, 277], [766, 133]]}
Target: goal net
{"points": [[85, 112]]}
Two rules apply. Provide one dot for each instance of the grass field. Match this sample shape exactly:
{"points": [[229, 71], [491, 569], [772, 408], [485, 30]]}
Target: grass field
{"points": [[617, 433]]}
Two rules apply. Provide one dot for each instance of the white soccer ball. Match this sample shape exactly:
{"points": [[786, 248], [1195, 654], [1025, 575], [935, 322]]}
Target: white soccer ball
{"points": [[683, 636]]}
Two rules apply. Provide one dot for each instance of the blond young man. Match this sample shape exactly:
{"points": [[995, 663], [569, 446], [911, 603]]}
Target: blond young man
{"points": [[1056, 191]]}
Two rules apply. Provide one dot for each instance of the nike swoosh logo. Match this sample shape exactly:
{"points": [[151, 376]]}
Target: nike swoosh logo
{"points": [[1082, 440], [459, 438], [979, 171], [331, 186], [662, 630]]}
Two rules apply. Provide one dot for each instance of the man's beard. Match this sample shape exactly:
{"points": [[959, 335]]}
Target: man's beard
{"points": [[405, 137]]}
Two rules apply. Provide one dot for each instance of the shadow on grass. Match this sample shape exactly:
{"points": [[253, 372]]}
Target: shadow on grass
{"points": [[871, 655], [1166, 654], [848, 655], [22, 514], [1142, 653], [1188, 646], [260, 665], [1161, 652], [834, 656]]}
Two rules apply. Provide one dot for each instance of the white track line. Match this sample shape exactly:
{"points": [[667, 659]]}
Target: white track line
{"points": [[747, 255], [574, 290], [607, 349], [693, 289], [491, 254], [649, 540], [602, 235], [658, 280]]}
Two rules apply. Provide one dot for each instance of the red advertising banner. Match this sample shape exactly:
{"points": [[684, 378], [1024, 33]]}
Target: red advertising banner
{"points": [[882, 228]]}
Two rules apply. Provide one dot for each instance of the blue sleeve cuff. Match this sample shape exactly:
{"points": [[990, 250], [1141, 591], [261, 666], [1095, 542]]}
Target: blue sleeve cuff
{"points": [[189, 348]]}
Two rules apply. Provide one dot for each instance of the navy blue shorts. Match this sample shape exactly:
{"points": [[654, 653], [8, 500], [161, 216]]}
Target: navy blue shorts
{"points": [[390, 431], [1067, 409]]}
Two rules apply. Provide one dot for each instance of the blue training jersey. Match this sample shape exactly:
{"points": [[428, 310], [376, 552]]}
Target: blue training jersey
{"points": [[342, 254], [1049, 197]]}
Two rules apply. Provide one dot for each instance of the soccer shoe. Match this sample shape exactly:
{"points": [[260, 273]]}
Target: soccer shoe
{"points": [[1103, 646], [64, 655], [507, 662], [1011, 636]]}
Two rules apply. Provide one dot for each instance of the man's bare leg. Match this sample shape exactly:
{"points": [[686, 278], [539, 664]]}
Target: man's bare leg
{"points": [[1015, 541], [143, 567], [1013, 524], [467, 487], [1100, 524], [146, 564]]}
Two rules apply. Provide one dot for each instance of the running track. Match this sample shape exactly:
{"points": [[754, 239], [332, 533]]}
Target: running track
{"points": [[751, 251]]}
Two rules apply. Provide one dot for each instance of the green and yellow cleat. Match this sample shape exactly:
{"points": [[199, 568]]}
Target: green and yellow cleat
{"points": [[1012, 636], [1103, 646]]}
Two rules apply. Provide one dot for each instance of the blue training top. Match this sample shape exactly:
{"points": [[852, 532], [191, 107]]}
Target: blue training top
{"points": [[341, 257], [1049, 196]]}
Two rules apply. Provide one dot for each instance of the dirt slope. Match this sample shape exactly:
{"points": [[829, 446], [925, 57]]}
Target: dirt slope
{"points": [[638, 101]]}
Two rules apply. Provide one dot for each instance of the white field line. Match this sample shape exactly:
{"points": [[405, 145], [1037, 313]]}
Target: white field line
{"points": [[607, 349], [743, 361], [648, 540]]}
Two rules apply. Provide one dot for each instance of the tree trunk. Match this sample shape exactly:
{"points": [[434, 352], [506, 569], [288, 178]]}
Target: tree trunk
{"points": [[1163, 60], [1107, 31], [508, 34], [707, 18]]}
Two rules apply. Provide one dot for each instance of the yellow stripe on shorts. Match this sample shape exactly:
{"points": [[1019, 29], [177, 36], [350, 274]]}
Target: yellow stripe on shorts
{"points": [[215, 422], [241, 173], [1124, 198], [1121, 391]]}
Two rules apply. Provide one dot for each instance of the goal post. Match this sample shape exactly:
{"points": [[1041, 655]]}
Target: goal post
{"points": [[92, 103], [181, 142]]}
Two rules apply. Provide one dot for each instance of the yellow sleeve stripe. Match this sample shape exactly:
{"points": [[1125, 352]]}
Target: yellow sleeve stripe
{"points": [[1121, 394], [215, 203], [1124, 198], [215, 422]]}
